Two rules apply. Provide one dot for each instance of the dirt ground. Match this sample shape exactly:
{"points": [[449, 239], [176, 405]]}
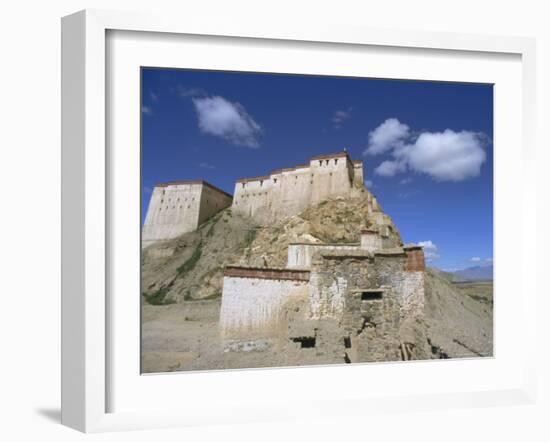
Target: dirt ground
{"points": [[185, 336]]}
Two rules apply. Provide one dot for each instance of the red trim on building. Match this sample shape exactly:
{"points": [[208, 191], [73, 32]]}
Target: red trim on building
{"points": [[415, 259], [265, 273]]}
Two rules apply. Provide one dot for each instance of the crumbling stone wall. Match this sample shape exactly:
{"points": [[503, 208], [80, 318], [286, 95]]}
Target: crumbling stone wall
{"points": [[404, 270], [345, 286], [351, 305]]}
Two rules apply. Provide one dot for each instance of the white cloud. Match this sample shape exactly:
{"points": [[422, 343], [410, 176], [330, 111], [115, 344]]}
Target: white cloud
{"points": [[430, 250], [475, 259], [389, 135], [369, 183], [340, 116], [186, 92], [390, 168], [489, 260], [444, 156], [154, 97], [407, 180], [448, 155], [146, 110], [227, 120], [207, 166]]}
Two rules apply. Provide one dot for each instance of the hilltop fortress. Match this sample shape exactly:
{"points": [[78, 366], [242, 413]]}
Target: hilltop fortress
{"points": [[332, 301], [181, 206], [287, 192]]}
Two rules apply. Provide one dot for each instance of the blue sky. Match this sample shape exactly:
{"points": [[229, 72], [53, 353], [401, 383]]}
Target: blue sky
{"points": [[426, 146]]}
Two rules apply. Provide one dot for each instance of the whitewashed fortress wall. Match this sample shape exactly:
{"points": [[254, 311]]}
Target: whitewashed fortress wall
{"points": [[180, 207], [253, 298], [287, 192]]}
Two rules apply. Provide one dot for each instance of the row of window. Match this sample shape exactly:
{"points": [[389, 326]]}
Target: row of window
{"points": [[173, 207], [327, 161], [253, 194], [243, 185], [177, 200]]}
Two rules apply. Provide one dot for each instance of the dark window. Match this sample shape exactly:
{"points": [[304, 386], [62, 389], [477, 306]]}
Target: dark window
{"points": [[320, 162], [305, 341], [371, 296], [275, 180], [326, 162], [347, 342], [336, 161]]}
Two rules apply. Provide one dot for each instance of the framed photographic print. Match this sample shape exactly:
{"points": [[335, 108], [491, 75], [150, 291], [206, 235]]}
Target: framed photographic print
{"points": [[279, 222]]}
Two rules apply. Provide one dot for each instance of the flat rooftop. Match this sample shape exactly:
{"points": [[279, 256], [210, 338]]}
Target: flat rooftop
{"points": [[191, 182]]}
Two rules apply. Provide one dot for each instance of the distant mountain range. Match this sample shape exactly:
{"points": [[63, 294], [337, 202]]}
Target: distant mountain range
{"points": [[477, 273]]}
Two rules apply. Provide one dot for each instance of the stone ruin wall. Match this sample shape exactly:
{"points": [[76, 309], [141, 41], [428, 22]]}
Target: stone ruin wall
{"points": [[354, 301], [345, 286], [287, 192], [180, 207], [407, 278]]}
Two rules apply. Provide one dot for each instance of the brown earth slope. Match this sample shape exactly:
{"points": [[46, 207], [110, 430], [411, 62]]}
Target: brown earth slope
{"points": [[191, 266], [182, 284]]}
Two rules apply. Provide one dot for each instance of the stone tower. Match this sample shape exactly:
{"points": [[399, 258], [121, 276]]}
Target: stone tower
{"points": [[179, 207]]}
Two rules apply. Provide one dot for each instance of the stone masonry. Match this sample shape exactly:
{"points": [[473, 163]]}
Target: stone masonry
{"points": [[350, 299]]}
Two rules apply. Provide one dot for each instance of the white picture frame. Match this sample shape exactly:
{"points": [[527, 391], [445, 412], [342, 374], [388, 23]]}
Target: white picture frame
{"points": [[85, 204]]}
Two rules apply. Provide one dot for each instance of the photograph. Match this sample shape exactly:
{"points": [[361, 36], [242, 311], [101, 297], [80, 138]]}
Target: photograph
{"points": [[304, 220]]}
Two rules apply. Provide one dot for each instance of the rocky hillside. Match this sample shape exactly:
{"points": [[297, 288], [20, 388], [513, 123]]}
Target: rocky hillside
{"points": [[182, 285], [191, 267]]}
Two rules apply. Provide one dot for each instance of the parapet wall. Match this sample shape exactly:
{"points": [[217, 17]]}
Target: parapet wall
{"points": [[180, 207]]}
